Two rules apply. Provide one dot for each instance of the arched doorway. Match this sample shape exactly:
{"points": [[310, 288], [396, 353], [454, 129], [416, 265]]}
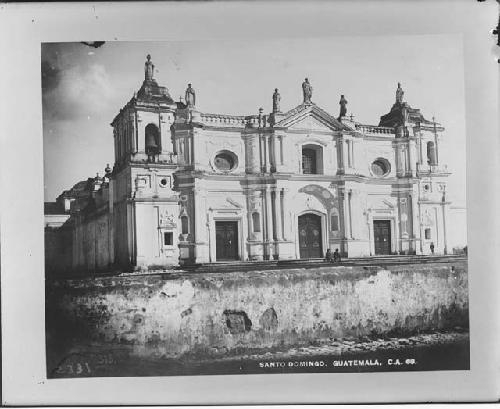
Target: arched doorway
{"points": [[310, 236]]}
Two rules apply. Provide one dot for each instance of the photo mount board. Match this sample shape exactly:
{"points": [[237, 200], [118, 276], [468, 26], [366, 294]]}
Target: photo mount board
{"points": [[22, 249]]}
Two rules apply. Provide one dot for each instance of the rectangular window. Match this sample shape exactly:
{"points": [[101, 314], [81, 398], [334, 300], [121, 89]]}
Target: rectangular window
{"points": [[168, 238], [335, 222], [427, 234], [308, 161]]}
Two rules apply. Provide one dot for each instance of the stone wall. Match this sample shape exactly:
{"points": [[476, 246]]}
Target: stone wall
{"points": [[214, 313], [93, 243]]}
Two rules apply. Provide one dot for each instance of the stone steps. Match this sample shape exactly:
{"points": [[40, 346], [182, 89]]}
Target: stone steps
{"points": [[315, 263]]}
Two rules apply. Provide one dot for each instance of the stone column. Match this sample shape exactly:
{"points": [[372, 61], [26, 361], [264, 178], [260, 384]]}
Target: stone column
{"points": [[353, 164], [346, 215], [345, 154], [250, 230], [188, 149], [271, 153], [399, 162], [262, 153], [420, 152], [420, 228], [253, 164], [280, 142], [436, 150], [299, 156], [193, 147], [212, 251], [269, 223], [132, 131], [265, 145], [411, 154], [412, 206], [284, 209], [444, 207], [340, 154], [198, 219], [160, 129], [349, 205], [269, 216], [396, 241], [277, 208]]}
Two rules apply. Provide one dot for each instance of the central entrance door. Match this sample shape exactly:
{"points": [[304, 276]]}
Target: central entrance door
{"points": [[310, 236], [226, 240], [382, 236]]}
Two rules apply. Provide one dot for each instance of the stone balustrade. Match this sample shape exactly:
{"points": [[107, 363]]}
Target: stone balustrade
{"points": [[223, 120], [375, 130]]}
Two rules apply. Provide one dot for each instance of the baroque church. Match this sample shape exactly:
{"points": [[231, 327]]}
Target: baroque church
{"points": [[192, 187]]}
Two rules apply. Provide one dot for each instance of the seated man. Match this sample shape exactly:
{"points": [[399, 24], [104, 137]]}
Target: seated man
{"points": [[336, 256], [328, 256]]}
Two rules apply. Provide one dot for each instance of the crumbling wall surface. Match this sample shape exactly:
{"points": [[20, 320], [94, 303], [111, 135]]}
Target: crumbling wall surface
{"points": [[170, 315]]}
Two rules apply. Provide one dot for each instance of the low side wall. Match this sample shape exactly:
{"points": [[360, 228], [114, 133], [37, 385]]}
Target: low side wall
{"points": [[215, 313]]}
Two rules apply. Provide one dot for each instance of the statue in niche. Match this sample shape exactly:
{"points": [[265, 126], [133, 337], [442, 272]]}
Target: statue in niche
{"points": [[343, 106], [307, 90], [149, 68], [399, 94], [276, 101], [190, 96]]}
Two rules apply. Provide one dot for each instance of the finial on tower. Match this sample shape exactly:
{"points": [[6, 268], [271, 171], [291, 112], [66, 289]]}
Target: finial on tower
{"points": [[149, 68]]}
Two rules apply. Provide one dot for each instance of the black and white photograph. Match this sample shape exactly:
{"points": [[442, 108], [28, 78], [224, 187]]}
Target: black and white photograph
{"points": [[207, 214], [249, 203]]}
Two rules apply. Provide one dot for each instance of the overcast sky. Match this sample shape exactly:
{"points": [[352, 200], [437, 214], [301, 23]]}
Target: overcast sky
{"points": [[84, 88]]}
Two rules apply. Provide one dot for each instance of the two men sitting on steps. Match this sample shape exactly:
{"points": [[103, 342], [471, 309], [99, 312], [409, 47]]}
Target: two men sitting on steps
{"points": [[332, 258]]}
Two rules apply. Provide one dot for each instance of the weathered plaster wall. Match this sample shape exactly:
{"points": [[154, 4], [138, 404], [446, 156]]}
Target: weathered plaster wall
{"points": [[166, 315], [94, 249]]}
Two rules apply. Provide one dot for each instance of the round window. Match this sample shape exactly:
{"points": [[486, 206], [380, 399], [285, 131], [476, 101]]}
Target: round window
{"points": [[225, 161], [163, 182], [380, 167]]}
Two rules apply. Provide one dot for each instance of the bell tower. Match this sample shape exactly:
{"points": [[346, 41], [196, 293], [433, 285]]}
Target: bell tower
{"points": [[142, 127], [145, 206]]}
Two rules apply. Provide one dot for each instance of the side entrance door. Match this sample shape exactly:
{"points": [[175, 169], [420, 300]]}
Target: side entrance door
{"points": [[310, 236], [226, 240], [382, 236]]}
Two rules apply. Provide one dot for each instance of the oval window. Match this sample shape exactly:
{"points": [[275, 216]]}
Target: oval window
{"points": [[225, 161], [380, 167]]}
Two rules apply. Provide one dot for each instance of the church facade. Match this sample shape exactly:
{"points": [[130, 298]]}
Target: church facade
{"points": [[193, 187]]}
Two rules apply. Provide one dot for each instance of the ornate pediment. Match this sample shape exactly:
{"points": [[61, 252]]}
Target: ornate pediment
{"points": [[234, 203], [221, 203], [379, 204], [311, 117], [310, 123]]}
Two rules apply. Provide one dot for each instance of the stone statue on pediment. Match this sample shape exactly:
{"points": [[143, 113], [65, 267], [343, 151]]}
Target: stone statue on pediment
{"points": [[190, 96], [307, 90], [149, 68], [399, 94], [343, 106], [276, 101]]}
